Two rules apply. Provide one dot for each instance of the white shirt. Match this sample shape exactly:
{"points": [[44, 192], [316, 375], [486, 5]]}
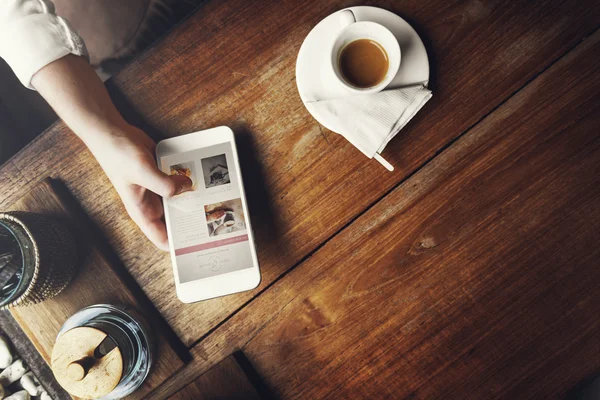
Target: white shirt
{"points": [[32, 36]]}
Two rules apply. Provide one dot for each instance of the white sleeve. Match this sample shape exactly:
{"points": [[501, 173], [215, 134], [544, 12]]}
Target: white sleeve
{"points": [[32, 36]]}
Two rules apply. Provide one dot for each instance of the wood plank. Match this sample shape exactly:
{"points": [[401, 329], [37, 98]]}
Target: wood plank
{"points": [[97, 281], [233, 63], [226, 380], [476, 278]]}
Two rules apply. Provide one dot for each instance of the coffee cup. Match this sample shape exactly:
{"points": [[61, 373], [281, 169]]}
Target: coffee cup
{"points": [[365, 56]]}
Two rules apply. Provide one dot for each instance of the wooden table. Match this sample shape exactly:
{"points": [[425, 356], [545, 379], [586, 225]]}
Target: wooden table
{"points": [[469, 272]]}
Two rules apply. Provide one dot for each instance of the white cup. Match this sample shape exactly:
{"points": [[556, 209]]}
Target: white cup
{"points": [[352, 31]]}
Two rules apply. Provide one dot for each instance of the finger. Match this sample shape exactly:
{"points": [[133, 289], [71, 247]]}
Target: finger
{"points": [[147, 213], [183, 183], [156, 232], [162, 184]]}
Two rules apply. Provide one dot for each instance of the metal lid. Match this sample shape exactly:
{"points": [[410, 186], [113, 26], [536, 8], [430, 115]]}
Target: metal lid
{"points": [[87, 363]]}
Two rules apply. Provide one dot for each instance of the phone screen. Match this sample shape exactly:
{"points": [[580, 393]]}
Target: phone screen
{"points": [[208, 226]]}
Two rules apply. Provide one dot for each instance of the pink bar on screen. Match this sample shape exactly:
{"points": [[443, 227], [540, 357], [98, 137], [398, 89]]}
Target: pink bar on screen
{"points": [[211, 245]]}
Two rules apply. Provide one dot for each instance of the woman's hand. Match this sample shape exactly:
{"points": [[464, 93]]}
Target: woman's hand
{"points": [[128, 160], [125, 153]]}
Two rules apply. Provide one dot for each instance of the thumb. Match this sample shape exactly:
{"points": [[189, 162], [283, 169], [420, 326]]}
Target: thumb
{"points": [[164, 185], [182, 184]]}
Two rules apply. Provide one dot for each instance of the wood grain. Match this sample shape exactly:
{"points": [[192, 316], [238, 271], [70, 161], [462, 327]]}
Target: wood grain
{"points": [[233, 63], [226, 380], [96, 282], [476, 278]]}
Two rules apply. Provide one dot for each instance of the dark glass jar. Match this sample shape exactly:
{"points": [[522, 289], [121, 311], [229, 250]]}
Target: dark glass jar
{"points": [[38, 258]]}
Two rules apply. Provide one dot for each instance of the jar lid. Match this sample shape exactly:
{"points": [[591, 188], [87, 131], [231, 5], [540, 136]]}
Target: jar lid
{"points": [[81, 366]]}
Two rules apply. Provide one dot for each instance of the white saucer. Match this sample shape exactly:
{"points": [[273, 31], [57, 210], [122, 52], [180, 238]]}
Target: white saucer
{"points": [[315, 78]]}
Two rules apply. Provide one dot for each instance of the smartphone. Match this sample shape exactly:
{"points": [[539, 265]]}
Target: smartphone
{"points": [[210, 234]]}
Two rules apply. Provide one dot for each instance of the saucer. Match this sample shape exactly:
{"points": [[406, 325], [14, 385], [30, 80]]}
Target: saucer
{"points": [[315, 78]]}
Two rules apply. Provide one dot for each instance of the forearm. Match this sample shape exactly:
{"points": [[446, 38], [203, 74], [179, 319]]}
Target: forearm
{"points": [[125, 152], [80, 99]]}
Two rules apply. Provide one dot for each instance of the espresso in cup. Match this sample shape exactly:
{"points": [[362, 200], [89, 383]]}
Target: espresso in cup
{"points": [[364, 63], [365, 56]]}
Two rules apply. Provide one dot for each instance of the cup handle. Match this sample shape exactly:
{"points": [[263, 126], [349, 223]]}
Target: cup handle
{"points": [[347, 17]]}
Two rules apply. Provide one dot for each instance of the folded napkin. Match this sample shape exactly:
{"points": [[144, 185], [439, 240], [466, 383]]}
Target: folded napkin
{"points": [[370, 121]]}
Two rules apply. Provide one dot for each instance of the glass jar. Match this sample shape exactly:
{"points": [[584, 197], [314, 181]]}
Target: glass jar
{"points": [[38, 258], [129, 332], [17, 262]]}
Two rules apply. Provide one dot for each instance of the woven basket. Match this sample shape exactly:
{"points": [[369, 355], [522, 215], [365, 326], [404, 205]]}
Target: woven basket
{"points": [[49, 250]]}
